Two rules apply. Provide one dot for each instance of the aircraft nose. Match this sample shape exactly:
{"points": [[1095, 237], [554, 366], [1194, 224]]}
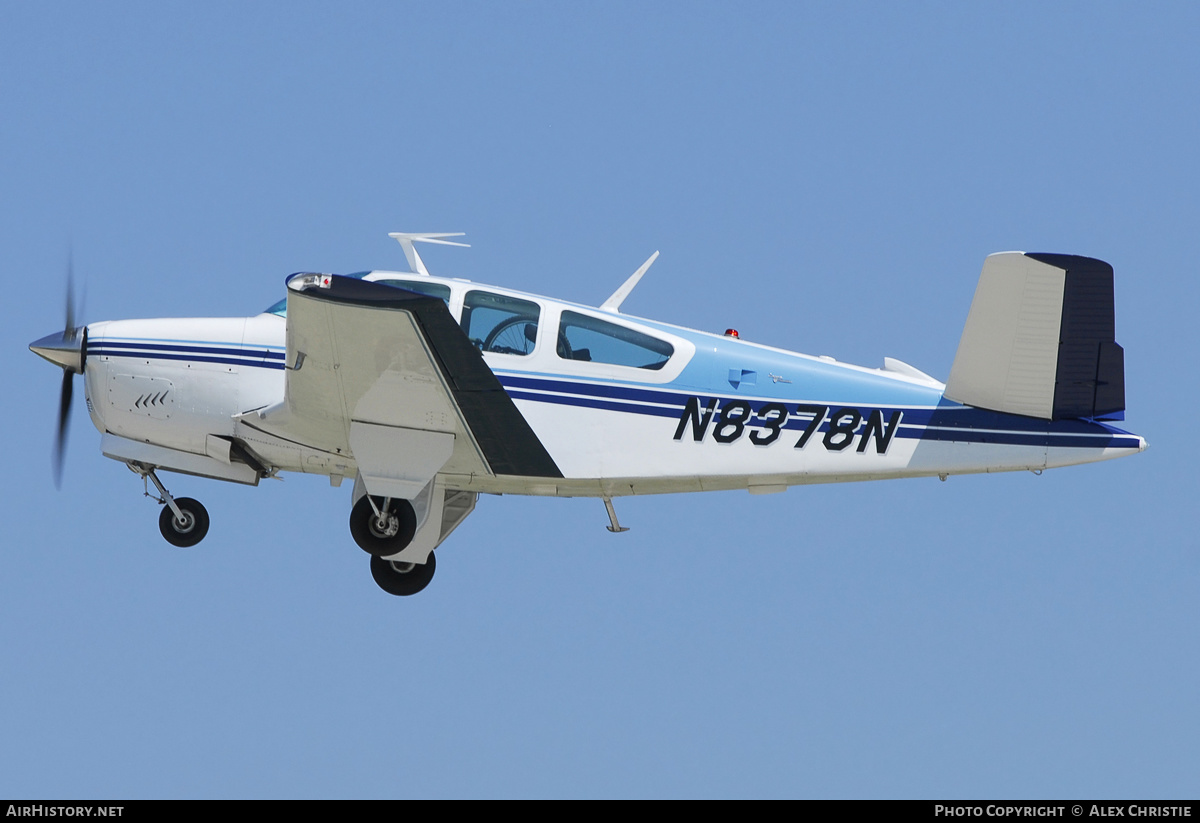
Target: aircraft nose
{"points": [[63, 349]]}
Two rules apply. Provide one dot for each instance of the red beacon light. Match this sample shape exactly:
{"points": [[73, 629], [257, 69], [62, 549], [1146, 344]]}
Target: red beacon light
{"points": [[733, 333]]}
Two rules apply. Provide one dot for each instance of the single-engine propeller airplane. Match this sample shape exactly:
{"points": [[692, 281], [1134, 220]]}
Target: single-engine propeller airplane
{"points": [[429, 391]]}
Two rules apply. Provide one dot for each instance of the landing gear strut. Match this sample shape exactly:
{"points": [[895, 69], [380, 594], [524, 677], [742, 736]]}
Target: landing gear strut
{"points": [[183, 521]]}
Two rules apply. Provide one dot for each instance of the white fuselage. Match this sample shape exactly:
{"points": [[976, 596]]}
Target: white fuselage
{"points": [[720, 413]]}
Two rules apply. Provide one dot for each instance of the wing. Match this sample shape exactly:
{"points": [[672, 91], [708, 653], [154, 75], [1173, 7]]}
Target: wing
{"points": [[387, 376]]}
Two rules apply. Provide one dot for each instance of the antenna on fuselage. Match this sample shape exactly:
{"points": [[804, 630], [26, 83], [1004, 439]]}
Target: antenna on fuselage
{"points": [[613, 303], [407, 239]]}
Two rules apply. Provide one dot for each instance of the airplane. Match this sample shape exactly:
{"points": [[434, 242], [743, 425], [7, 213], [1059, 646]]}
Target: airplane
{"points": [[428, 391]]}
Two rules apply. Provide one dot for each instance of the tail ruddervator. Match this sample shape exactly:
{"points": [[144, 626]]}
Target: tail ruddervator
{"points": [[1040, 340]]}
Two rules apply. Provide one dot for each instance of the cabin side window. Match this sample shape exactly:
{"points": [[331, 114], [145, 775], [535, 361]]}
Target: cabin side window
{"points": [[597, 341], [500, 324]]}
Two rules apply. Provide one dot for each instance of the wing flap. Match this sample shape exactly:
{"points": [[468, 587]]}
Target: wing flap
{"points": [[398, 462]]}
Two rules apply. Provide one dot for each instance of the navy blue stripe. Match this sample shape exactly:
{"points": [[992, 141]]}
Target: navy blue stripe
{"points": [[257, 364], [248, 359], [958, 424], [947, 415], [245, 352], [595, 390], [794, 421], [1097, 441], [914, 416], [676, 400], [595, 403]]}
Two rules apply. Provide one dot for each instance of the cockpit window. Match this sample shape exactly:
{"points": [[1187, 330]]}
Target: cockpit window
{"points": [[504, 325], [279, 308], [586, 338]]}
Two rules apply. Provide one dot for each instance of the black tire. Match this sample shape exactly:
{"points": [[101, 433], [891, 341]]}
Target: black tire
{"points": [[193, 528], [402, 583], [402, 525]]}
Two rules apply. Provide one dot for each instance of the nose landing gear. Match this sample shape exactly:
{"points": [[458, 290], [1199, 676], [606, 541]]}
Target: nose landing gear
{"points": [[187, 530], [183, 521]]}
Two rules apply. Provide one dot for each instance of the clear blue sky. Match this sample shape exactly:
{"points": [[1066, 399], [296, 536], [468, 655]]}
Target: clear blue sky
{"points": [[826, 178]]}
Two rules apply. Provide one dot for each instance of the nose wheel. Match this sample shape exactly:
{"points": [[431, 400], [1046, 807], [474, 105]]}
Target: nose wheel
{"points": [[182, 521], [187, 530]]}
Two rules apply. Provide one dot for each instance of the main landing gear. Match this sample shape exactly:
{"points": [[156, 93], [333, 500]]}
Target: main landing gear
{"points": [[183, 521], [383, 527]]}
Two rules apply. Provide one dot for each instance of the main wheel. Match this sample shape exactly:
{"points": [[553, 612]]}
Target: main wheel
{"points": [[383, 538], [186, 532], [402, 579]]}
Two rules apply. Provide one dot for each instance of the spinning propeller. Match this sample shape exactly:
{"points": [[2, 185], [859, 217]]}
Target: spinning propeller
{"points": [[68, 350]]}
